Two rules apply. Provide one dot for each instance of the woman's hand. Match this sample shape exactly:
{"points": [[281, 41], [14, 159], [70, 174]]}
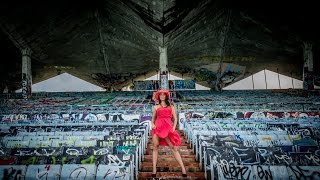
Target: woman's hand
{"points": [[153, 126]]}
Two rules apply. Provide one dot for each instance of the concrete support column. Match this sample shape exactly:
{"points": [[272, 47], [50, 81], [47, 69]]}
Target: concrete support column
{"points": [[308, 79], [163, 65], [26, 73]]}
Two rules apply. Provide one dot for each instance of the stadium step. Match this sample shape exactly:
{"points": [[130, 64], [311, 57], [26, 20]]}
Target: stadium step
{"points": [[183, 146], [170, 158], [171, 166], [167, 166], [183, 142], [172, 175], [167, 151]]}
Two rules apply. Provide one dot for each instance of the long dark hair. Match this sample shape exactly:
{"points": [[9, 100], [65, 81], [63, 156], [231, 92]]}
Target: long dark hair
{"points": [[166, 100]]}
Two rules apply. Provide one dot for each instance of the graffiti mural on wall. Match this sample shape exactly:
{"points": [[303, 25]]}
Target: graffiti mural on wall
{"points": [[209, 73], [107, 81], [231, 73], [145, 85], [204, 74], [184, 84], [173, 85]]}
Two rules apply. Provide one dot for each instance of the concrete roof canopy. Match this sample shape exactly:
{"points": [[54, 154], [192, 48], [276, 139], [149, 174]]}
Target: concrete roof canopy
{"points": [[111, 42]]}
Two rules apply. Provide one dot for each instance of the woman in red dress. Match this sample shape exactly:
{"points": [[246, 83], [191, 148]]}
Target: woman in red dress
{"points": [[163, 131]]}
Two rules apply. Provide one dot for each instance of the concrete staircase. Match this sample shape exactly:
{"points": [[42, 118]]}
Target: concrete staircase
{"points": [[167, 166]]}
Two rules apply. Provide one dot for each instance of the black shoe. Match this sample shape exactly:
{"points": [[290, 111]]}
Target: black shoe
{"points": [[154, 175], [184, 175]]}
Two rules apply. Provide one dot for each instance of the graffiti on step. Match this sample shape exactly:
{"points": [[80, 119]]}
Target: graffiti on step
{"points": [[112, 172], [68, 117], [12, 172], [231, 171]]}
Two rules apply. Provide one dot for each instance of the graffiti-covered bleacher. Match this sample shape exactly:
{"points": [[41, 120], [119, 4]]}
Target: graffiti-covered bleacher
{"points": [[243, 101], [75, 102], [253, 134], [234, 134], [73, 136], [256, 149], [89, 152]]}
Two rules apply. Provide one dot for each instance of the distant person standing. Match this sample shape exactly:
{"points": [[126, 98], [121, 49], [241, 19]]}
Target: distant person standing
{"points": [[155, 85], [5, 90], [171, 85]]}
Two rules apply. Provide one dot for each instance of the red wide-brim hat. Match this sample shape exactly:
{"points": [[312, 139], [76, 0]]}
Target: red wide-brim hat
{"points": [[157, 94]]}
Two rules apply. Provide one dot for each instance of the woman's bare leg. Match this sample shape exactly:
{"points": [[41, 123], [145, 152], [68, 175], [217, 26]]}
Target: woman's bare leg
{"points": [[176, 155], [155, 141]]}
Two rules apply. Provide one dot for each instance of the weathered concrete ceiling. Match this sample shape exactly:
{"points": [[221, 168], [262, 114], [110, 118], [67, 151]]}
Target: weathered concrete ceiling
{"points": [[100, 37]]}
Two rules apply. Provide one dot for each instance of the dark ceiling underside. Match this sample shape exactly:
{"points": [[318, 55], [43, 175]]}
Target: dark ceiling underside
{"points": [[105, 38]]}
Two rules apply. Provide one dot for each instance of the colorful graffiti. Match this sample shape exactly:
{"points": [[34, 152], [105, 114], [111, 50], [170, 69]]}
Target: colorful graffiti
{"points": [[71, 152], [185, 117], [249, 149], [145, 85], [210, 75], [107, 81], [184, 84], [68, 117], [204, 74], [215, 114], [173, 85], [231, 74]]}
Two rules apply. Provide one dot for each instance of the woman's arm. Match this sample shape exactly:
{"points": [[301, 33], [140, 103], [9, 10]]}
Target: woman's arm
{"points": [[174, 116], [154, 115]]}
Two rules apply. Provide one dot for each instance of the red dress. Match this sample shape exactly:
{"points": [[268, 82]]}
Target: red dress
{"points": [[164, 127]]}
